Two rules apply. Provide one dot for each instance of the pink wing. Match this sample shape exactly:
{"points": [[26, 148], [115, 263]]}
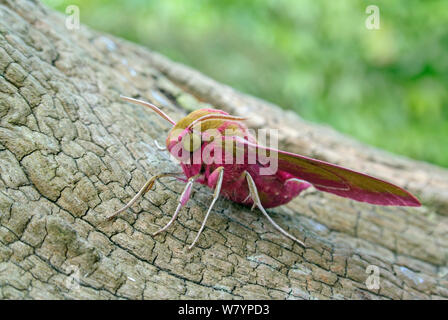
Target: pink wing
{"points": [[337, 180]]}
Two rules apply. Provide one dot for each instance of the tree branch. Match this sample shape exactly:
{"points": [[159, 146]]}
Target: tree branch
{"points": [[71, 153]]}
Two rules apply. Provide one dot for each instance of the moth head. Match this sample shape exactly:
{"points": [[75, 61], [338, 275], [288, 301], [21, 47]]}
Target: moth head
{"points": [[189, 131], [187, 134]]}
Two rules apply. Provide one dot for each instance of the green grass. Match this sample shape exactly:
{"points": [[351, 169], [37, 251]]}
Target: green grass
{"points": [[385, 87]]}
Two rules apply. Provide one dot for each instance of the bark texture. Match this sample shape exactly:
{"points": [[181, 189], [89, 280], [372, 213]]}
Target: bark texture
{"points": [[71, 152]]}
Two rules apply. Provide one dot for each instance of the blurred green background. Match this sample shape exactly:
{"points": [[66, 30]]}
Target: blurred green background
{"points": [[386, 87]]}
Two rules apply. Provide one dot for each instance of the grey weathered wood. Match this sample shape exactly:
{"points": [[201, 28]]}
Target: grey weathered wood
{"points": [[71, 152]]}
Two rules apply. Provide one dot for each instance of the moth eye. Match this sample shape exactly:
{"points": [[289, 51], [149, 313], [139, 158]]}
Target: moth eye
{"points": [[191, 142]]}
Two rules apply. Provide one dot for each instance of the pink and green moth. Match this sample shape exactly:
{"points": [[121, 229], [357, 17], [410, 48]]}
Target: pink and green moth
{"points": [[241, 181]]}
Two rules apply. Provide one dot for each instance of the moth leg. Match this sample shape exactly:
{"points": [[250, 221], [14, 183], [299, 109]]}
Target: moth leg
{"points": [[255, 197], [215, 197], [182, 201], [303, 185], [146, 187]]}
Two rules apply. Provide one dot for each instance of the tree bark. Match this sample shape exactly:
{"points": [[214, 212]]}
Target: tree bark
{"points": [[71, 152]]}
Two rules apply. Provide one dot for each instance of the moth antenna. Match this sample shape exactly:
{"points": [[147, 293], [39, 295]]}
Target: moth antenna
{"points": [[215, 116], [151, 106]]}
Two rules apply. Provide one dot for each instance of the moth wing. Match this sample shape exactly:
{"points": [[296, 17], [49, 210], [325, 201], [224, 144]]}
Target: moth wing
{"points": [[335, 179]]}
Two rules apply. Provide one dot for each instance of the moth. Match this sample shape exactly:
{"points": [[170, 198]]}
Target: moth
{"points": [[217, 149]]}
